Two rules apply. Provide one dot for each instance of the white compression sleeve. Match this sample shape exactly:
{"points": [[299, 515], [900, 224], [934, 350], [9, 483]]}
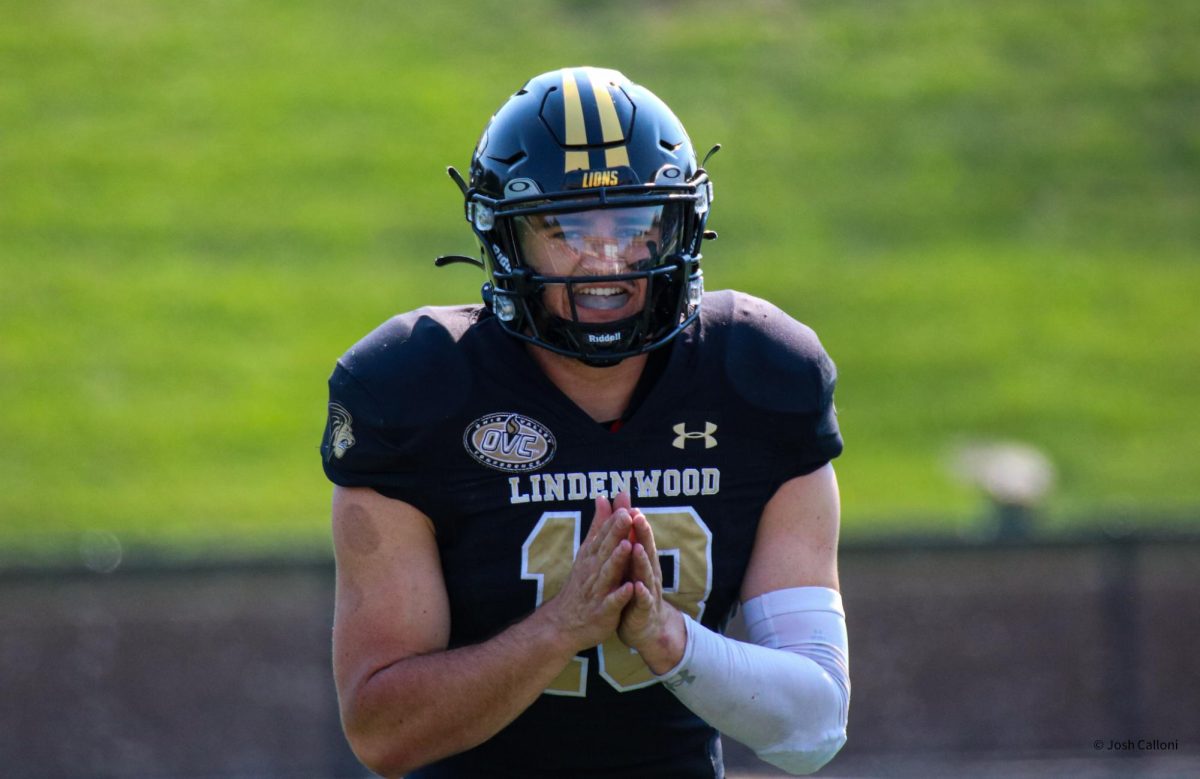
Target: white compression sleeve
{"points": [[787, 695]]}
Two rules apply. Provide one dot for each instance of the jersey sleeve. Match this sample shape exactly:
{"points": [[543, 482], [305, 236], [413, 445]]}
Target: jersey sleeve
{"points": [[813, 438], [363, 448], [388, 398], [787, 380]]}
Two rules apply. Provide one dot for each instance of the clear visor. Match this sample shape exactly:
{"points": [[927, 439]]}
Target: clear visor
{"points": [[600, 242]]}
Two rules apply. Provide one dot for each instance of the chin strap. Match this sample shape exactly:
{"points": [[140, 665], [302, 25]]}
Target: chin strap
{"points": [[451, 259]]}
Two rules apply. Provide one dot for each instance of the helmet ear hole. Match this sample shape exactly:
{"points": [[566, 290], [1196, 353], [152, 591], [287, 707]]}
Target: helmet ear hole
{"points": [[668, 174], [521, 187]]}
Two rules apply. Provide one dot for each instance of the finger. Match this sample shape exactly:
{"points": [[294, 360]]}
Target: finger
{"points": [[643, 569], [656, 580], [641, 526], [618, 599], [643, 597], [639, 604], [645, 536], [634, 514], [616, 531], [624, 500], [603, 512], [613, 569], [637, 613]]}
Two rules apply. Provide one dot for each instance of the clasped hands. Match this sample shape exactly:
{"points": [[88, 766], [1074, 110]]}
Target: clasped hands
{"points": [[616, 583]]}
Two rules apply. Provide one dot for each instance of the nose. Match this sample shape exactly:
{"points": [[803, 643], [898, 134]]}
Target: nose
{"points": [[605, 255], [595, 265]]}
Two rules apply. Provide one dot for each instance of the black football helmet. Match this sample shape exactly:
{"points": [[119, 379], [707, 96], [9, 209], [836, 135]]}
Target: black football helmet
{"points": [[585, 186]]}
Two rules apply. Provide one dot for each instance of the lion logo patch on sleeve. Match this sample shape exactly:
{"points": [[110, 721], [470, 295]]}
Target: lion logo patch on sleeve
{"points": [[341, 432]]}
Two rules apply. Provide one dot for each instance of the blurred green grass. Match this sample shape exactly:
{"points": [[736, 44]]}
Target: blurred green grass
{"points": [[988, 211]]}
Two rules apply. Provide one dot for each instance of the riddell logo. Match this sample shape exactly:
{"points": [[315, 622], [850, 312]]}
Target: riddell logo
{"points": [[509, 442], [603, 338], [502, 258]]}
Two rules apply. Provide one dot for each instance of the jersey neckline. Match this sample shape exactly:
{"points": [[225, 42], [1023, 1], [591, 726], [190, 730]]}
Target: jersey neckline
{"points": [[509, 358]]}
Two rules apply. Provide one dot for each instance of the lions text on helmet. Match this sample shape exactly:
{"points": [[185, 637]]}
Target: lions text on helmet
{"points": [[587, 199]]}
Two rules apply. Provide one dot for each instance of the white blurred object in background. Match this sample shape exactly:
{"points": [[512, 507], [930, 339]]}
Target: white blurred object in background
{"points": [[1016, 477]]}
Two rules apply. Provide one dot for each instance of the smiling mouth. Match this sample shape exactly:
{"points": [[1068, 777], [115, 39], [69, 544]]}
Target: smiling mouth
{"points": [[601, 298]]}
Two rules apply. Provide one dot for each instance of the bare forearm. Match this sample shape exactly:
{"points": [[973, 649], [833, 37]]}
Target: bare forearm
{"points": [[426, 707]]}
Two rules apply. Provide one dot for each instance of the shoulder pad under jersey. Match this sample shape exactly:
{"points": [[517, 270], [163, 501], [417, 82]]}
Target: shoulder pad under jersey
{"points": [[412, 365], [774, 362], [781, 379], [387, 396]]}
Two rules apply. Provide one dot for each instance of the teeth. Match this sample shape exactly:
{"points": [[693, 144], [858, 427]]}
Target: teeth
{"points": [[601, 298]]}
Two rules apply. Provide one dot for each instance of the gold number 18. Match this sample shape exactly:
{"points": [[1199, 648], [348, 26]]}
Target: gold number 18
{"points": [[685, 550]]}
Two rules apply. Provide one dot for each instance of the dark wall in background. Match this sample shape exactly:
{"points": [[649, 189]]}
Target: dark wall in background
{"points": [[223, 670]]}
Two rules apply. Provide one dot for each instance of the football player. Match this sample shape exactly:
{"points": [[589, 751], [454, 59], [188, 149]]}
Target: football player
{"points": [[547, 506]]}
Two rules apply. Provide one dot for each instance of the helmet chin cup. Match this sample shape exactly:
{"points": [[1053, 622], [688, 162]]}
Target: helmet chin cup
{"points": [[539, 155]]}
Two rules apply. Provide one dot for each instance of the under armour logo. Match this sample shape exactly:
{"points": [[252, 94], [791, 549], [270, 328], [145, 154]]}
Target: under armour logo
{"points": [[682, 435], [678, 680]]}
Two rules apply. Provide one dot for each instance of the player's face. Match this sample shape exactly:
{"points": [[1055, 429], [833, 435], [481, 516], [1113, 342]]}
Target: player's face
{"points": [[602, 242]]}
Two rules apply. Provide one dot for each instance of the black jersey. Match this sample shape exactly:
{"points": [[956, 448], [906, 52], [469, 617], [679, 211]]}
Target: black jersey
{"points": [[440, 408]]}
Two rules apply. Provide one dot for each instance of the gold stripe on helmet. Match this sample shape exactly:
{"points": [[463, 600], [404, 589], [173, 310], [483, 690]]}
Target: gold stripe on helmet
{"points": [[573, 115], [610, 123]]}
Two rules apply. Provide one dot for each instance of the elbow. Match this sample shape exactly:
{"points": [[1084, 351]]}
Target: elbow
{"points": [[372, 752], [805, 756], [813, 744], [807, 749], [377, 721], [379, 744], [380, 755]]}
